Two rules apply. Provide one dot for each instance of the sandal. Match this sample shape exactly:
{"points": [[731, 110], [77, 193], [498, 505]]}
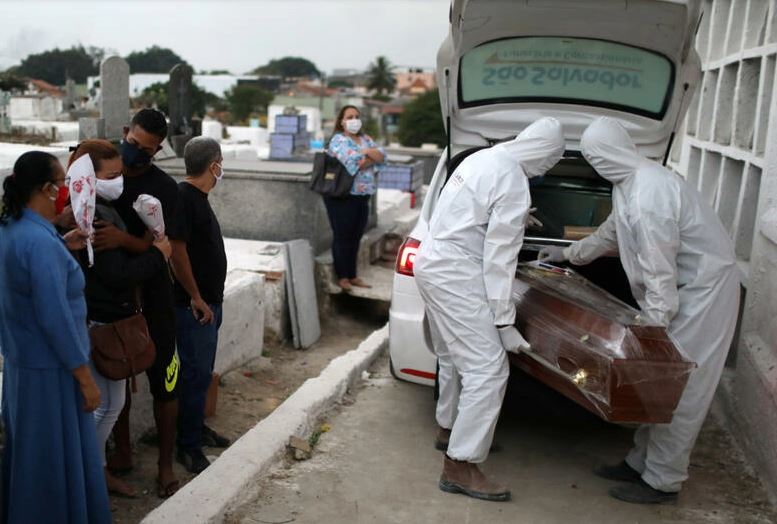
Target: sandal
{"points": [[167, 490]]}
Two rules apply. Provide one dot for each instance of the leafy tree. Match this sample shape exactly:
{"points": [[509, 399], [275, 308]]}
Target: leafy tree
{"points": [[10, 81], [288, 67], [421, 121], [244, 100], [381, 76], [335, 84], [155, 59], [371, 127], [57, 65], [156, 95]]}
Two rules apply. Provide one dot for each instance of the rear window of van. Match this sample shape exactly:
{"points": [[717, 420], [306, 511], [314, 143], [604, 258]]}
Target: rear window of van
{"points": [[566, 70]]}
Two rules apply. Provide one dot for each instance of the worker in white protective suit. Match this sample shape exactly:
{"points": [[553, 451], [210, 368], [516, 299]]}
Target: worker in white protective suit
{"points": [[681, 266], [465, 271]]}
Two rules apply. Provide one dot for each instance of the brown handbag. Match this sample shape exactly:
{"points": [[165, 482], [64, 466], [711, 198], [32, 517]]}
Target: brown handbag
{"points": [[122, 349]]}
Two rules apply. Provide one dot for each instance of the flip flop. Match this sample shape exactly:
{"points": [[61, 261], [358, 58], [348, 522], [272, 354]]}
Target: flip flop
{"points": [[167, 490]]}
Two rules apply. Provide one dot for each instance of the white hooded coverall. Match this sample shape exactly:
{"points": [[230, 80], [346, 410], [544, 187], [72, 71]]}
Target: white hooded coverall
{"points": [[682, 269], [465, 270]]}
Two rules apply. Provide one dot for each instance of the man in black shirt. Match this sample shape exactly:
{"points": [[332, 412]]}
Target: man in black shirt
{"points": [[142, 140], [200, 267]]}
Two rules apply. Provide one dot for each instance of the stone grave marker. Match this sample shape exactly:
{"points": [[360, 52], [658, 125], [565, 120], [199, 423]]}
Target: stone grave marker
{"points": [[70, 95], [179, 98], [5, 119], [114, 99]]}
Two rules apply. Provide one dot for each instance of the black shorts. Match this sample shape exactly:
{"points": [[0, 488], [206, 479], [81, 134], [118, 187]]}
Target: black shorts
{"points": [[159, 313]]}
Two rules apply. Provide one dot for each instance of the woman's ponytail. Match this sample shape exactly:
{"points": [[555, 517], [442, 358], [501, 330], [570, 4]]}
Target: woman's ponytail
{"points": [[30, 172]]}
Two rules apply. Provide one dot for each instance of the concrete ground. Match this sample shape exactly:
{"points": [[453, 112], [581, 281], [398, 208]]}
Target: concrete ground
{"points": [[250, 393], [377, 464]]}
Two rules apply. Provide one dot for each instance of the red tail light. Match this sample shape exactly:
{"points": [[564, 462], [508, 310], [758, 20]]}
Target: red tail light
{"points": [[406, 256]]}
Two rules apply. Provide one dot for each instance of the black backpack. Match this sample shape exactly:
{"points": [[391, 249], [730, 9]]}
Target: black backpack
{"points": [[330, 177]]}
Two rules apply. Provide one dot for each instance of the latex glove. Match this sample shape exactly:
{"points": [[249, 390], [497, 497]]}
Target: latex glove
{"points": [[532, 221], [512, 340], [552, 254]]}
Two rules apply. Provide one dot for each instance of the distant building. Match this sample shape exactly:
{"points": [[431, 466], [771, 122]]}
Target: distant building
{"points": [[43, 88], [40, 101], [414, 81]]}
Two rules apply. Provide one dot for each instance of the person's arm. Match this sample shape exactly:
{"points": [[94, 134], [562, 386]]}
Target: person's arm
{"points": [[658, 241], [118, 269], [182, 269], [374, 152], [108, 236], [601, 242], [349, 157], [48, 281], [504, 238], [88, 386]]}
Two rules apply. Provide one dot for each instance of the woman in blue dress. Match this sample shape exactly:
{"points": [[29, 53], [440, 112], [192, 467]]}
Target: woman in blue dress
{"points": [[51, 470], [348, 216]]}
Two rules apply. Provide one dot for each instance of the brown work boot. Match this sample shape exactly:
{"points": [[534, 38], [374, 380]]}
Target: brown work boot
{"points": [[442, 439], [459, 476]]}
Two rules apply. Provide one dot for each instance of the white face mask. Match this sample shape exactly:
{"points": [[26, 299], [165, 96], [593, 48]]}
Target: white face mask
{"points": [[111, 189], [220, 175], [353, 126]]}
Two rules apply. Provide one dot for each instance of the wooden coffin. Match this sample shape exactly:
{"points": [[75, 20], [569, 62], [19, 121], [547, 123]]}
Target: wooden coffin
{"points": [[595, 350]]}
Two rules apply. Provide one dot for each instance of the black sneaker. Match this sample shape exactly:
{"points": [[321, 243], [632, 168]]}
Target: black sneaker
{"points": [[642, 493], [194, 460], [211, 439], [621, 472]]}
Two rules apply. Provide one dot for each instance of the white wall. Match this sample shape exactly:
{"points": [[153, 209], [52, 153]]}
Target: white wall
{"points": [[34, 108], [728, 152]]}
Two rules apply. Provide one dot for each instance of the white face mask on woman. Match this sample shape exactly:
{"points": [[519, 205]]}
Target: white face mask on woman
{"points": [[111, 189], [353, 126]]}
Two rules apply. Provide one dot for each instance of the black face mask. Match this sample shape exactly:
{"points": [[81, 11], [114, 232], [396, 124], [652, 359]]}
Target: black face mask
{"points": [[132, 156]]}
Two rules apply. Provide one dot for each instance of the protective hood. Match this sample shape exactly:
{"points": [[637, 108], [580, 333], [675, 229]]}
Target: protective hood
{"points": [[538, 148], [607, 146]]}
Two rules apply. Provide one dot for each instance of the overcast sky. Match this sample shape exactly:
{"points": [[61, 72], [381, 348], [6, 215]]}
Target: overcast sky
{"points": [[237, 35]]}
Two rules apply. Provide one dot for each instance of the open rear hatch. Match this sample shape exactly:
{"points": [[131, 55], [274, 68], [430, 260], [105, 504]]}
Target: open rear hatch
{"points": [[506, 63]]}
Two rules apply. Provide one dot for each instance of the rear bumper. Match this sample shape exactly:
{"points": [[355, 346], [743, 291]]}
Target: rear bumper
{"points": [[410, 346]]}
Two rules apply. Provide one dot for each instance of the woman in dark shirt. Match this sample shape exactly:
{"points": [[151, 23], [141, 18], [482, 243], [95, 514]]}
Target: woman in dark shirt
{"points": [[111, 285]]}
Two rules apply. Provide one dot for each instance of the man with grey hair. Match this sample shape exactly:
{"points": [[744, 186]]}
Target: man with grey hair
{"points": [[200, 268]]}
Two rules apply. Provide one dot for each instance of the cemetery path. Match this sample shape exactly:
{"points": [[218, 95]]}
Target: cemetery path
{"points": [[377, 464], [252, 392]]}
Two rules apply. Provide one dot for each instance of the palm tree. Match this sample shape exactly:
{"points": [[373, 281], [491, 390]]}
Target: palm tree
{"points": [[381, 76]]}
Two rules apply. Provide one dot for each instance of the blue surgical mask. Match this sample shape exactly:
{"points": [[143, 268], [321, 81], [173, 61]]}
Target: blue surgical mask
{"points": [[132, 156]]}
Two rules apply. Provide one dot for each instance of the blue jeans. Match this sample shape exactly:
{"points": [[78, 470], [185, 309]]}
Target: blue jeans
{"points": [[348, 217], [197, 351]]}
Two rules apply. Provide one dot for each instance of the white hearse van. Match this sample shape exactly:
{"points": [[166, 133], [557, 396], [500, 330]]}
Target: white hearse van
{"points": [[506, 63]]}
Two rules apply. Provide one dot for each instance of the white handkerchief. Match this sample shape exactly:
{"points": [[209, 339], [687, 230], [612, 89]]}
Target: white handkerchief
{"points": [[82, 198]]}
